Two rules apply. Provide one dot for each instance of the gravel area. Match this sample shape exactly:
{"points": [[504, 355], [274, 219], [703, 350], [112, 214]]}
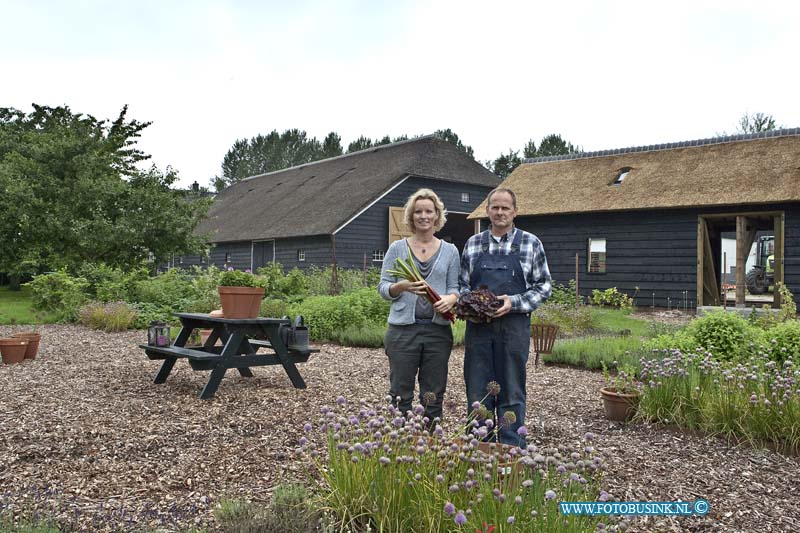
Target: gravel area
{"points": [[85, 433]]}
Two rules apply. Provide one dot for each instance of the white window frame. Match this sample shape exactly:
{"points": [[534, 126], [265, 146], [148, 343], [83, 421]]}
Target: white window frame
{"points": [[301, 255], [465, 197], [597, 245], [378, 255]]}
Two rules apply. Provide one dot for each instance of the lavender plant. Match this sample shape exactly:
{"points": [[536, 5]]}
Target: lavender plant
{"points": [[377, 468]]}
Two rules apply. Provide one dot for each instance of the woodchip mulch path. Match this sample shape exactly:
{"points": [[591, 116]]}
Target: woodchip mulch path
{"points": [[86, 435]]}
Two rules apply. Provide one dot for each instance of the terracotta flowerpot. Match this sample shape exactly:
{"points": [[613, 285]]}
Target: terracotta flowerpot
{"points": [[240, 302], [13, 350], [33, 342], [618, 406]]}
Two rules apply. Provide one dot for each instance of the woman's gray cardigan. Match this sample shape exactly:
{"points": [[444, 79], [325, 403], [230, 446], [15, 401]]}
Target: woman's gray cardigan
{"points": [[443, 278]]}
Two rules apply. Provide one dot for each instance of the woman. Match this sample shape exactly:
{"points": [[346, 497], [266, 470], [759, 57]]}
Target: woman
{"points": [[419, 339]]}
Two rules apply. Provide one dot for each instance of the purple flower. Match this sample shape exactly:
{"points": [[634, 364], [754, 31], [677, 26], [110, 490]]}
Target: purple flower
{"points": [[341, 400], [549, 495], [303, 441], [308, 427], [460, 519], [510, 520], [522, 431], [589, 436], [603, 497], [449, 509]]}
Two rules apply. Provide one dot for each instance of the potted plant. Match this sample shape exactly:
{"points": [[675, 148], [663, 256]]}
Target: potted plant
{"points": [[621, 393], [240, 293]]}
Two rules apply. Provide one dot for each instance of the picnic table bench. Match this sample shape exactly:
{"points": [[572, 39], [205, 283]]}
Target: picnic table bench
{"points": [[241, 340]]}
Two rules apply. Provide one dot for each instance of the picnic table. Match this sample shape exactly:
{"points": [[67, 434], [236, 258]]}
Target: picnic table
{"points": [[241, 340]]}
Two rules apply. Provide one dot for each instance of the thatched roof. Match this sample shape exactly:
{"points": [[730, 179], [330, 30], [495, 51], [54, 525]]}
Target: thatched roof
{"points": [[317, 198], [759, 168]]}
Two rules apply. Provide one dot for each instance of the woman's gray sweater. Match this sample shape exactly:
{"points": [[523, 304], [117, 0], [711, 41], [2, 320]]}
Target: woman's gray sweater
{"points": [[443, 278]]}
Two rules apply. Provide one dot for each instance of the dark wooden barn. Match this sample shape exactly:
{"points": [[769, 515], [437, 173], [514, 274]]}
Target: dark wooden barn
{"points": [[649, 220], [348, 207]]}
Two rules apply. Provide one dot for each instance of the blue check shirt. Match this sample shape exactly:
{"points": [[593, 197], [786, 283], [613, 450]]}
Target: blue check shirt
{"points": [[531, 257]]}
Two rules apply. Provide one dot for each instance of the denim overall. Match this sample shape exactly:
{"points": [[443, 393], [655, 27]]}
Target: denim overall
{"points": [[498, 351]]}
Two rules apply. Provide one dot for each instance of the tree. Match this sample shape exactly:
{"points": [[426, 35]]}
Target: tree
{"points": [[530, 151], [362, 143], [755, 123], [73, 193], [332, 145], [506, 163], [450, 136], [553, 144]]}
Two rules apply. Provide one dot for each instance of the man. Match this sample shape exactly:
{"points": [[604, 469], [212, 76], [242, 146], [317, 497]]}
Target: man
{"points": [[511, 262]]}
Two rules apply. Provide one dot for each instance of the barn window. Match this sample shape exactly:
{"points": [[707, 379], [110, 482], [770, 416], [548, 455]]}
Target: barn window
{"points": [[180, 260], [621, 175], [301, 255], [597, 256], [227, 257], [377, 255], [465, 197]]}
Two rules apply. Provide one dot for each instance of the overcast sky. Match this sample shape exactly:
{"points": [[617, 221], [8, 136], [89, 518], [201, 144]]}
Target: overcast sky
{"points": [[602, 74]]}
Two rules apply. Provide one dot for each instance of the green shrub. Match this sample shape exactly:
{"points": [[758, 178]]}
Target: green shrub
{"points": [[205, 297], [679, 340], [459, 330], [147, 312], [294, 285], [172, 289], [59, 293], [725, 335], [326, 315], [783, 341], [570, 321], [368, 336], [109, 284], [592, 352], [349, 279], [274, 308], [271, 273], [113, 316], [612, 298], [564, 294]]}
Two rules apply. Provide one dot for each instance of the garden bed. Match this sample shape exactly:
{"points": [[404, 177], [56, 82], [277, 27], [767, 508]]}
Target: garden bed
{"points": [[85, 432]]}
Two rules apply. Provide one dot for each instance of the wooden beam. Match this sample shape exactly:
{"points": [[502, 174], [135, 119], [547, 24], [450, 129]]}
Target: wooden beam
{"points": [[778, 232], [741, 259], [700, 248]]}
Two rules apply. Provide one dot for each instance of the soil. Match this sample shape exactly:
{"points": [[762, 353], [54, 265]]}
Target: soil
{"points": [[87, 436]]}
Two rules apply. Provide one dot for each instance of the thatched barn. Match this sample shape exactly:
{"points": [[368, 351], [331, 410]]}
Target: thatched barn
{"points": [[649, 220], [347, 208]]}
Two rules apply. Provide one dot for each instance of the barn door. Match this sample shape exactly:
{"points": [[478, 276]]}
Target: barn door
{"points": [[397, 226], [708, 287]]}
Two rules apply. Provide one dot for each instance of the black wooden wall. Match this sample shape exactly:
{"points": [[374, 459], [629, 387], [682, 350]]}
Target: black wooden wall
{"points": [[655, 251]]}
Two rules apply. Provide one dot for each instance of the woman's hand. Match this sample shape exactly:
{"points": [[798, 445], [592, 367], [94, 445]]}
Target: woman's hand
{"points": [[445, 304], [414, 287]]}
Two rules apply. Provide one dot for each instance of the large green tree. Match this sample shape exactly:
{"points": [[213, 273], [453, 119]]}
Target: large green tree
{"points": [[551, 145], [72, 193]]}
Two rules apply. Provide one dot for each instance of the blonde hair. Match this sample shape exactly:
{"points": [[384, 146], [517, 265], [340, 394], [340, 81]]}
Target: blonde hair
{"points": [[424, 194]]}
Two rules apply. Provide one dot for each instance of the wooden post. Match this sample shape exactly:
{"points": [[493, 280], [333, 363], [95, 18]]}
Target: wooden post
{"points": [[724, 275], [364, 281], [577, 291], [700, 249], [741, 259]]}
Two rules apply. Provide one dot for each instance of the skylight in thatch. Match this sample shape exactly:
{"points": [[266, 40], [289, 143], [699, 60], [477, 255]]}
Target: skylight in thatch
{"points": [[621, 175]]}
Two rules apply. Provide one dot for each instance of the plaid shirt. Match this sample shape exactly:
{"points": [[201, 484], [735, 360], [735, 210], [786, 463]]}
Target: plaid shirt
{"points": [[531, 257]]}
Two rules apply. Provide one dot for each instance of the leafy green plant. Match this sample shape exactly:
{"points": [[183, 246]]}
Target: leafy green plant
{"points": [[326, 315], [172, 289], [294, 285], [111, 316], [368, 335], [239, 278], [783, 341], [291, 510], [562, 294], [570, 320], [788, 306], [148, 312], [59, 293], [274, 308], [726, 335], [612, 298], [623, 381], [593, 352]]}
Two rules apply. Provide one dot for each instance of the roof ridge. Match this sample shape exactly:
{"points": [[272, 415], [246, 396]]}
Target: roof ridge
{"points": [[782, 132], [371, 148]]}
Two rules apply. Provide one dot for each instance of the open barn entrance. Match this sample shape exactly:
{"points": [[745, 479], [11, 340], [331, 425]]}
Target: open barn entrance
{"points": [[739, 259], [457, 230]]}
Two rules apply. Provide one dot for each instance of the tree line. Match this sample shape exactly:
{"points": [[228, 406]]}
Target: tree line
{"points": [[276, 151]]}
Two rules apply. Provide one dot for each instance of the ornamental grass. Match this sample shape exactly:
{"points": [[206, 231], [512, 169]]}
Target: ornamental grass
{"points": [[380, 470]]}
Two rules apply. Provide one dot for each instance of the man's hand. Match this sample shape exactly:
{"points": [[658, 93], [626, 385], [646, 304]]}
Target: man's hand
{"points": [[506, 306]]}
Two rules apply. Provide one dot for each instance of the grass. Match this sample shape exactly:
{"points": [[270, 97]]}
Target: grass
{"points": [[591, 352], [16, 307], [612, 320]]}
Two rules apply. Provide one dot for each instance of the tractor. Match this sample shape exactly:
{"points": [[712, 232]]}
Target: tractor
{"points": [[762, 276]]}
